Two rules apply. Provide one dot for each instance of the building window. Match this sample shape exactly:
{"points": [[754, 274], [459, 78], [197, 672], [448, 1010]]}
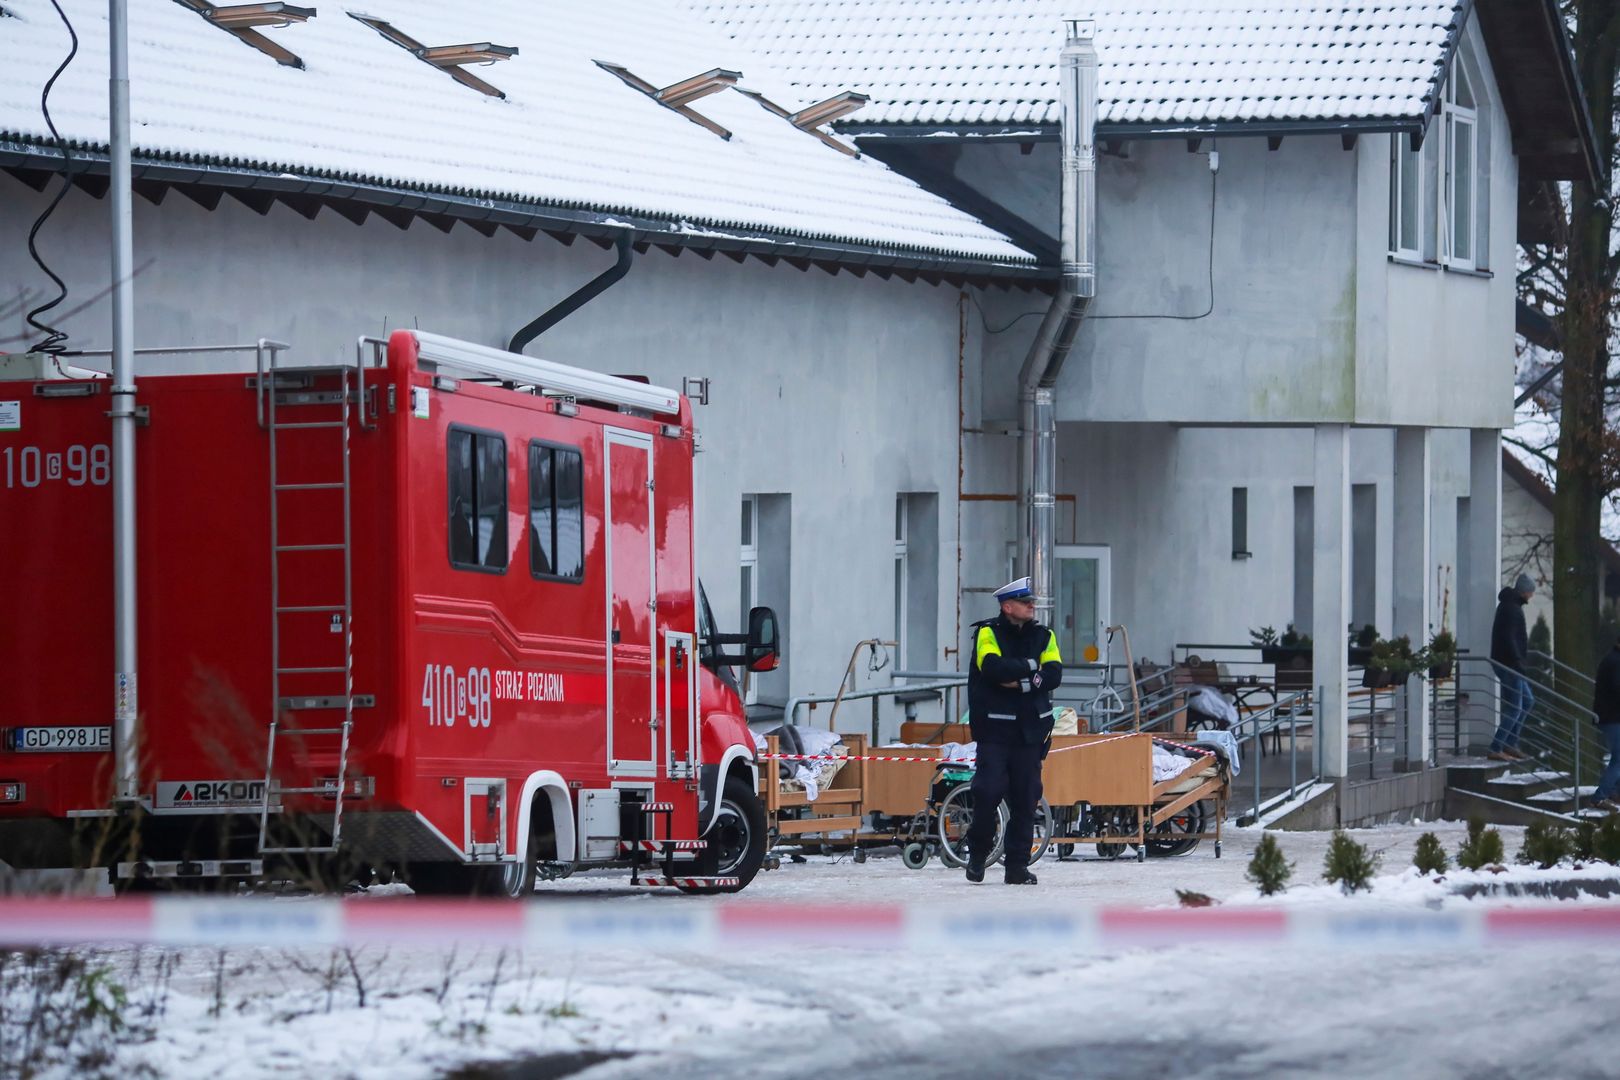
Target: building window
{"points": [[1240, 523], [748, 597], [1439, 195], [900, 583], [556, 512], [1462, 166], [1363, 554], [477, 482], [1406, 203]]}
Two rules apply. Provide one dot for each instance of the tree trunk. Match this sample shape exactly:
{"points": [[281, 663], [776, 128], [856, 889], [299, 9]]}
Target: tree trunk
{"points": [[1578, 497]]}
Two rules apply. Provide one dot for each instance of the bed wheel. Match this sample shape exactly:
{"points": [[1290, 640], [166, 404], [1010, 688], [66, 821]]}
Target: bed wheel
{"points": [[915, 856], [1141, 853], [1217, 849], [860, 854]]}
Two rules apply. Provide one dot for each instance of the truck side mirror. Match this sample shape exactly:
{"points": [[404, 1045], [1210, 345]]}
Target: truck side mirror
{"points": [[763, 648]]}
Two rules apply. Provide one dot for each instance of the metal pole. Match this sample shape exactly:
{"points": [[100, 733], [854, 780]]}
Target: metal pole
{"points": [[126, 699], [1293, 748], [1575, 730]]}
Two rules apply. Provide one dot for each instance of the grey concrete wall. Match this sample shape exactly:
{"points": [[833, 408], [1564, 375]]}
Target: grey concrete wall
{"points": [[839, 391], [1279, 343], [1435, 347], [1312, 322], [1159, 497]]}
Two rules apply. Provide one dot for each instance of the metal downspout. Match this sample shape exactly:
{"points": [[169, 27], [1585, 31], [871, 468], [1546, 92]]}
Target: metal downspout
{"points": [[578, 298], [126, 701], [1077, 99]]}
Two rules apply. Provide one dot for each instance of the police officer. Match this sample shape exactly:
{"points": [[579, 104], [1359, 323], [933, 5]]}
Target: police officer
{"points": [[1014, 670]]}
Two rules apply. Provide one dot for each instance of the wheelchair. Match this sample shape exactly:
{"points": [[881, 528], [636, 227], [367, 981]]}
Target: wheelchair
{"points": [[941, 828]]}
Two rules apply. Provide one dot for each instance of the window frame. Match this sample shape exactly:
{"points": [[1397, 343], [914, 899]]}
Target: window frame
{"points": [[1456, 116], [1240, 523], [548, 444], [450, 495], [748, 560], [902, 577], [1400, 151]]}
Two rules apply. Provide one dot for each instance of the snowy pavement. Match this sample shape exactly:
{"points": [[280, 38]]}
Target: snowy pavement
{"points": [[1224, 1010]]}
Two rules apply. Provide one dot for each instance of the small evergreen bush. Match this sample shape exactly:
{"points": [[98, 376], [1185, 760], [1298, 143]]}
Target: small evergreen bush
{"points": [[1429, 857], [1348, 864], [1606, 840], [1585, 841], [1545, 844], [1268, 870], [1482, 848]]}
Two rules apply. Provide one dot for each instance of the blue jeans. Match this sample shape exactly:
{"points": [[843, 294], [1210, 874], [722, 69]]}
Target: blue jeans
{"points": [[1516, 702], [1609, 782]]}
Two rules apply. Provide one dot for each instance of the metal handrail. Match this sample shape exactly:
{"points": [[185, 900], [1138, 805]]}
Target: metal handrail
{"points": [[1561, 666], [791, 709], [1550, 738]]}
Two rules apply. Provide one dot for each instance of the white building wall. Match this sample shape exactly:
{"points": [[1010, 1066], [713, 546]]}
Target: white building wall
{"points": [[839, 391]]}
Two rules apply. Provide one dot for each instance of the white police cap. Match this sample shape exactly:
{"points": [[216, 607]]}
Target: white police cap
{"points": [[1015, 590]]}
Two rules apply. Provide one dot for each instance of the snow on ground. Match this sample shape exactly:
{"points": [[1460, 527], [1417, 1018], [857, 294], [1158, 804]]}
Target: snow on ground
{"points": [[1206, 1011]]}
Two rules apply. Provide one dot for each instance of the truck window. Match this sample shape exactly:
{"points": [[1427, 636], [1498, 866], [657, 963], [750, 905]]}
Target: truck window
{"points": [[556, 512], [477, 465]]}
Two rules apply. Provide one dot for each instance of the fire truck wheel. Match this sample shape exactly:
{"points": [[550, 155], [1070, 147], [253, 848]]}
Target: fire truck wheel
{"points": [[736, 839]]}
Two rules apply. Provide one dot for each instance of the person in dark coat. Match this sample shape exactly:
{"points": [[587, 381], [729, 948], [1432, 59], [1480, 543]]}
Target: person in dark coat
{"points": [[1510, 646], [1606, 704], [1015, 668]]}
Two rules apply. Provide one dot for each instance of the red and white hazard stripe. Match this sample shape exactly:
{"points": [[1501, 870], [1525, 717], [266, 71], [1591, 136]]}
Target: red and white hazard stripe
{"points": [[657, 880], [660, 846]]}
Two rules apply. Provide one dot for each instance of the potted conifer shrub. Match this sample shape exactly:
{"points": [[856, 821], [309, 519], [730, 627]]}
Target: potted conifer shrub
{"points": [[1442, 650]]}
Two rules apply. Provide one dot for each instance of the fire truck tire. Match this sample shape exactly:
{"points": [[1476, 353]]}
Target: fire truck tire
{"points": [[736, 839]]}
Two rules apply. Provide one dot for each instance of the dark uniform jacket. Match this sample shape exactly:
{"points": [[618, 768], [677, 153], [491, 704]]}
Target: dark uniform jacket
{"points": [[1509, 642], [1026, 656]]}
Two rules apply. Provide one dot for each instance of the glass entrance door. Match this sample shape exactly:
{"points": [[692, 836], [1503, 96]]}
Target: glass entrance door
{"points": [[1080, 613]]}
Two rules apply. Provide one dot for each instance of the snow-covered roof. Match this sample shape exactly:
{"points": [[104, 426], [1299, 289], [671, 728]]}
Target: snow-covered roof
{"points": [[567, 134], [1164, 62]]}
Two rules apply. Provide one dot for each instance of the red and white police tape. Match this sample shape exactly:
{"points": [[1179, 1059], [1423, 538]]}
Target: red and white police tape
{"points": [[956, 760], [584, 926]]}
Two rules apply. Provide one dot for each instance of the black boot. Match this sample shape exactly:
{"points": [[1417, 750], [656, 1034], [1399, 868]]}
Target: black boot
{"points": [[975, 869], [1019, 876]]}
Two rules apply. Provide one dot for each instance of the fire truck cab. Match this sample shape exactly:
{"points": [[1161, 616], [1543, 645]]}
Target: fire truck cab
{"points": [[432, 614]]}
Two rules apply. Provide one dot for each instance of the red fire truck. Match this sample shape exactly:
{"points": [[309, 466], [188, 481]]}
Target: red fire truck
{"points": [[434, 614]]}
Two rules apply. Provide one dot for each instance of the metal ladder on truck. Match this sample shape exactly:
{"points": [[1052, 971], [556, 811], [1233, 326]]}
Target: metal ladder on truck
{"points": [[277, 392]]}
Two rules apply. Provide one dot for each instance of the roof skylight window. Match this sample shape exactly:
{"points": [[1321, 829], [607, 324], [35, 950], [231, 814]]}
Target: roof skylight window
{"points": [[243, 22], [812, 117], [678, 96], [449, 59]]}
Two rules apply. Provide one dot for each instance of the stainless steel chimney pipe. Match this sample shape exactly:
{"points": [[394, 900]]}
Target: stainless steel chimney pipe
{"points": [[126, 699], [1077, 100]]}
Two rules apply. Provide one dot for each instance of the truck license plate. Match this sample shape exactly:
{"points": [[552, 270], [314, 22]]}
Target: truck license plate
{"points": [[60, 739]]}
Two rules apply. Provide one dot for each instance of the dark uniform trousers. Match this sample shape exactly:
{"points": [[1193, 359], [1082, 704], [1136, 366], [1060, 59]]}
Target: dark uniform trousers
{"points": [[1009, 772]]}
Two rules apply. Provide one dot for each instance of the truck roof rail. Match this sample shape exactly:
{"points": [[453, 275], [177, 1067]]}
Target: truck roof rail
{"points": [[551, 376]]}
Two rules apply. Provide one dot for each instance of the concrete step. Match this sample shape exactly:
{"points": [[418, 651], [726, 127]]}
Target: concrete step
{"points": [[1473, 774], [1561, 800], [1522, 785], [1462, 805]]}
